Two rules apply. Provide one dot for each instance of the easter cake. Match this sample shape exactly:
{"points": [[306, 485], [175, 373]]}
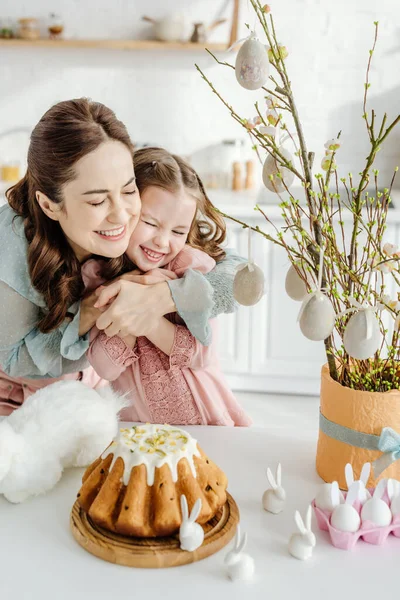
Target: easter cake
{"points": [[134, 487]]}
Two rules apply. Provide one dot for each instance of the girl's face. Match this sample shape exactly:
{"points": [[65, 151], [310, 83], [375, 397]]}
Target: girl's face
{"points": [[163, 227], [101, 205]]}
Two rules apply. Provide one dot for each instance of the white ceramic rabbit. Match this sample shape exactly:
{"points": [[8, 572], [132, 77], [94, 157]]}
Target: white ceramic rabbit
{"points": [[393, 489], [323, 499], [239, 565], [344, 516], [273, 500], [363, 494], [191, 534], [301, 544], [375, 509]]}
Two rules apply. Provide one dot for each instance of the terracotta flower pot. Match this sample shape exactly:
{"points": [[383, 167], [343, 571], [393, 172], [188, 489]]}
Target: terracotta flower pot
{"points": [[364, 412]]}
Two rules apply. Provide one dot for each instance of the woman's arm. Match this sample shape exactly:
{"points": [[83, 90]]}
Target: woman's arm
{"points": [[199, 298], [26, 352], [196, 297]]}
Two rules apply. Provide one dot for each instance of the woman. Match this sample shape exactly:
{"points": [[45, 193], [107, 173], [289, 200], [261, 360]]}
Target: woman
{"points": [[79, 199]]}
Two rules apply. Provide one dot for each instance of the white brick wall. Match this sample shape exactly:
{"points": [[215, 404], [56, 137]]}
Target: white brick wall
{"points": [[161, 97]]}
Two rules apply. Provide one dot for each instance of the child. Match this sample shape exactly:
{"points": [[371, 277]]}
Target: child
{"points": [[168, 376]]}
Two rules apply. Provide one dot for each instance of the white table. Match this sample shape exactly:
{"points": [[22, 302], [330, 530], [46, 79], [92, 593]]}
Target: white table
{"points": [[39, 559]]}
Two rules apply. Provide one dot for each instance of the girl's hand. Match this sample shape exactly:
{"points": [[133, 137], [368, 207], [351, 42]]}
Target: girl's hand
{"points": [[135, 310], [89, 313]]}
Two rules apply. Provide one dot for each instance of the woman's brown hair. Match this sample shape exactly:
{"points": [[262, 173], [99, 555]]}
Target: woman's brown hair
{"points": [[65, 133], [157, 167]]}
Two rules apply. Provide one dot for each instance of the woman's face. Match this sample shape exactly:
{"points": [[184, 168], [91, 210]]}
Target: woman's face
{"points": [[163, 227], [101, 205]]}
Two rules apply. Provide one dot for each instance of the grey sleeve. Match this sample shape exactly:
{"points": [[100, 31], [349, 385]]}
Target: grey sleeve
{"points": [[199, 298], [25, 351]]}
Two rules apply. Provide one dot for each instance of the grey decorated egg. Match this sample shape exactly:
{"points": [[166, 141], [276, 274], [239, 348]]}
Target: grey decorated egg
{"points": [[248, 286], [295, 287], [318, 318], [355, 339], [252, 65], [272, 167]]}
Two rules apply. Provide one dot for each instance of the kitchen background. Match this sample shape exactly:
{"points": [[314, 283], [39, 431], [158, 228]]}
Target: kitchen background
{"points": [[162, 99]]}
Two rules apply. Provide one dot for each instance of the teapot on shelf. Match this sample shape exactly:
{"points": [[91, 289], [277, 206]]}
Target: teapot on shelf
{"points": [[168, 29]]}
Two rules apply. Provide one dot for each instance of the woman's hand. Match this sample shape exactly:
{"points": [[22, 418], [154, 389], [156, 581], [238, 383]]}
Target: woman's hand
{"points": [[135, 310], [150, 277]]}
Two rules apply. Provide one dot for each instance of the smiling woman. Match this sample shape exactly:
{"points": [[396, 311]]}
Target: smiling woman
{"points": [[78, 199]]}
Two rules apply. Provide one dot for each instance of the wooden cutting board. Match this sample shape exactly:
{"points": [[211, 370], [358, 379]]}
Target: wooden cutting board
{"points": [[153, 552]]}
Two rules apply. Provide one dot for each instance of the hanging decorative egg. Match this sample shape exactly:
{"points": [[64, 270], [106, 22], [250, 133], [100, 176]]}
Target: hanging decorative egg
{"points": [[295, 287], [272, 167], [248, 285], [252, 64], [317, 317], [362, 336]]}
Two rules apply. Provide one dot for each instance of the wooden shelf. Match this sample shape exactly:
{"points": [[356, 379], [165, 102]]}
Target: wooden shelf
{"points": [[111, 44]]}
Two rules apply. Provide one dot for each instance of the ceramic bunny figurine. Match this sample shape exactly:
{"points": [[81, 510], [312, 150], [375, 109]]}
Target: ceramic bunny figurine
{"points": [[363, 493], [239, 566], [301, 544], [273, 500], [375, 509], [191, 534], [323, 499], [393, 489]]}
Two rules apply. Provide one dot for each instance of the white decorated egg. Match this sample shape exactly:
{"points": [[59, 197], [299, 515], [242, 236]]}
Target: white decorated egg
{"points": [[252, 65], [272, 167], [377, 512], [323, 499], [317, 319], [355, 339], [248, 285], [295, 287], [345, 518]]}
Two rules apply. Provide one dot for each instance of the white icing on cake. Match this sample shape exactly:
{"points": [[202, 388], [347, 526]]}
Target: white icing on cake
{"points": [[153, 446]]}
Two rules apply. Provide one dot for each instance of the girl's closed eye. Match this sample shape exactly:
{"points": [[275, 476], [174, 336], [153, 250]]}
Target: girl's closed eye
{"points": [[179, 232], [151, 224]]}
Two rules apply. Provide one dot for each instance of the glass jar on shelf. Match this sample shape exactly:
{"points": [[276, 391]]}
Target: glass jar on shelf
{"points": [[28, 29], [230, 153]]}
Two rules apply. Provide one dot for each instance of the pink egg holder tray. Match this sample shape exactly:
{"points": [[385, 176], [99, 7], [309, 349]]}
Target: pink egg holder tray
{"points": [[368, 532]]}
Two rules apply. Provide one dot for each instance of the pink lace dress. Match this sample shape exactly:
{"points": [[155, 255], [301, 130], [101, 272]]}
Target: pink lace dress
{"points": [[185, 388]]}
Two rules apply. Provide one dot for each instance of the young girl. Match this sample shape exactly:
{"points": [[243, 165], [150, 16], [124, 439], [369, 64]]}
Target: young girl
{"points": [[168, 376]]}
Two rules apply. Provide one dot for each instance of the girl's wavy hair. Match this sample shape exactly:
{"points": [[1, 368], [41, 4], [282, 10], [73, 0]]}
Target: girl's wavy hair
{"points": [[157, 167], [66, 133]]}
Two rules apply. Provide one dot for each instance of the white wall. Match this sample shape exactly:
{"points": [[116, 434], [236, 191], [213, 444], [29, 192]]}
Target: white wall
{"points": [[163, 100]]}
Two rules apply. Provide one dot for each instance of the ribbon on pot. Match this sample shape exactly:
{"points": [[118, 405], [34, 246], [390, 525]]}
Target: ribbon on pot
{"points": [[388, 442]]}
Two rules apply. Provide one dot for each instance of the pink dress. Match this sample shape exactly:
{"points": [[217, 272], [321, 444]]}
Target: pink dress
{"points": [[185, 388]]}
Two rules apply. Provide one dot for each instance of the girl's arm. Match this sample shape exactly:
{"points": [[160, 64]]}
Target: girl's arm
{"points": [[183, 349], [110, 356], [26, 352]]}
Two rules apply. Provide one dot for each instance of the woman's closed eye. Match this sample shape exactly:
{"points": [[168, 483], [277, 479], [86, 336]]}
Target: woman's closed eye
{"points": [[151, 224], [97, 203]]}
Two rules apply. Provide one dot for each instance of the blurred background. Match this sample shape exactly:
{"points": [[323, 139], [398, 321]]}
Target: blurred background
{"points": [[144, 70]]}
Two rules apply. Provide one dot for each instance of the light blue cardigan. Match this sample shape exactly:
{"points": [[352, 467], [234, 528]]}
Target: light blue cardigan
{"points": [[26, 352]]}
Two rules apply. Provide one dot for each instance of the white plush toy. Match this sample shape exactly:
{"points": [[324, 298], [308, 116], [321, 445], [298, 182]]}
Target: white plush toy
{"points": [[65, 424]]}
